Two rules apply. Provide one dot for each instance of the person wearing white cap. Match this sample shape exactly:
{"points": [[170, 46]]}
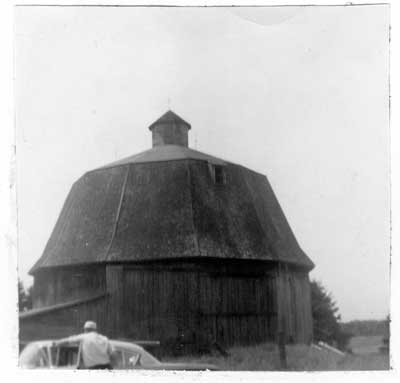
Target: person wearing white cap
{"points": [[96, 349]]}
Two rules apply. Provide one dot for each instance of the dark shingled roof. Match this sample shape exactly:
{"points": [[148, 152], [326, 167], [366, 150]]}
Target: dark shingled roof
{"points": [[163, 204], [168, 118]]}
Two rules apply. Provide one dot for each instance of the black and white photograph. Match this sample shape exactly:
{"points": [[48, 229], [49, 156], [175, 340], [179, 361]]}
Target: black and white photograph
{"points": [[203, 188]]}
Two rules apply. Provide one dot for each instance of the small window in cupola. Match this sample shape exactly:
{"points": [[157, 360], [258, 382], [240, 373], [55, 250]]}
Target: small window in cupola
{"points": [[218, 174]]}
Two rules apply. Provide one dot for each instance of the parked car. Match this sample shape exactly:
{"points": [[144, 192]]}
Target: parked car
{"points": [[43, 354]]}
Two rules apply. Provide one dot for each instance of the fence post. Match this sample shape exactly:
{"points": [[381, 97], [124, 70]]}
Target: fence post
{"points": [[282, 350]]}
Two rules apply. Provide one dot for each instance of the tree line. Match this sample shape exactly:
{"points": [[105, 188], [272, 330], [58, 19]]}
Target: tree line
{"points": [[328, 326], [367, 327], [24, 297], [326, 318]]}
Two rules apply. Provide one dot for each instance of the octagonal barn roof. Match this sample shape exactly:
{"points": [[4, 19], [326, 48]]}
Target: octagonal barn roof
{"points": [[166, 153], [165, 203]]}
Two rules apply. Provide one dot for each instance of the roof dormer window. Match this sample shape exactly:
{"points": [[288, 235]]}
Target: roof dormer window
{"points": [[218, 174]]}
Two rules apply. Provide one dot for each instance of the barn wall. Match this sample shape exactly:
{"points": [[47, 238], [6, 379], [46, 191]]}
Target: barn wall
{"points": [[294, 304], [59, 285], [115, 309], [189, 302], [200, 303]]}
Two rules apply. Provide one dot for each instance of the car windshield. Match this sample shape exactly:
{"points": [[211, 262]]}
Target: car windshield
{"points": [[147, 359], [34, 356], [127, 357], [66, 355]]}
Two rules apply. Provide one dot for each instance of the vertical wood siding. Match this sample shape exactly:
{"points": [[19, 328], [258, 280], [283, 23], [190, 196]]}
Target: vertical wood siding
{"points": [[294, 305], [199, 306], [115, 292], [188, 302]]}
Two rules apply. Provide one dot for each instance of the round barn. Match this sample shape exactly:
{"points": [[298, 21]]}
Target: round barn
{"points": [[174, 245]]}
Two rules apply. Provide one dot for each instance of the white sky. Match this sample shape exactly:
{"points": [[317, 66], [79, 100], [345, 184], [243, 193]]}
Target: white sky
{"points": [[297, 93]]}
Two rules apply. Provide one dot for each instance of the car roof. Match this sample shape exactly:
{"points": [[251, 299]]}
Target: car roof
{"points": [[40, 343]]}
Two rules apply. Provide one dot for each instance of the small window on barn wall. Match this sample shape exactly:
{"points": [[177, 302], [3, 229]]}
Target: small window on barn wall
{"points": [[77, 280], [218, 174]]}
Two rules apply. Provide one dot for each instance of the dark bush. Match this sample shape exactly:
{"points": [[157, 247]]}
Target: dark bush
{"points": [[326, 318]]}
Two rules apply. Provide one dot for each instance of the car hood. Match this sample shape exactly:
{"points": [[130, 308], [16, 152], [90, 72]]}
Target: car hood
{"points": [[186, 366]]}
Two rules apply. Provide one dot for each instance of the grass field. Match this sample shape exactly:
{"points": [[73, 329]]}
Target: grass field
{"points": [[265, 357], [365, 344]]}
